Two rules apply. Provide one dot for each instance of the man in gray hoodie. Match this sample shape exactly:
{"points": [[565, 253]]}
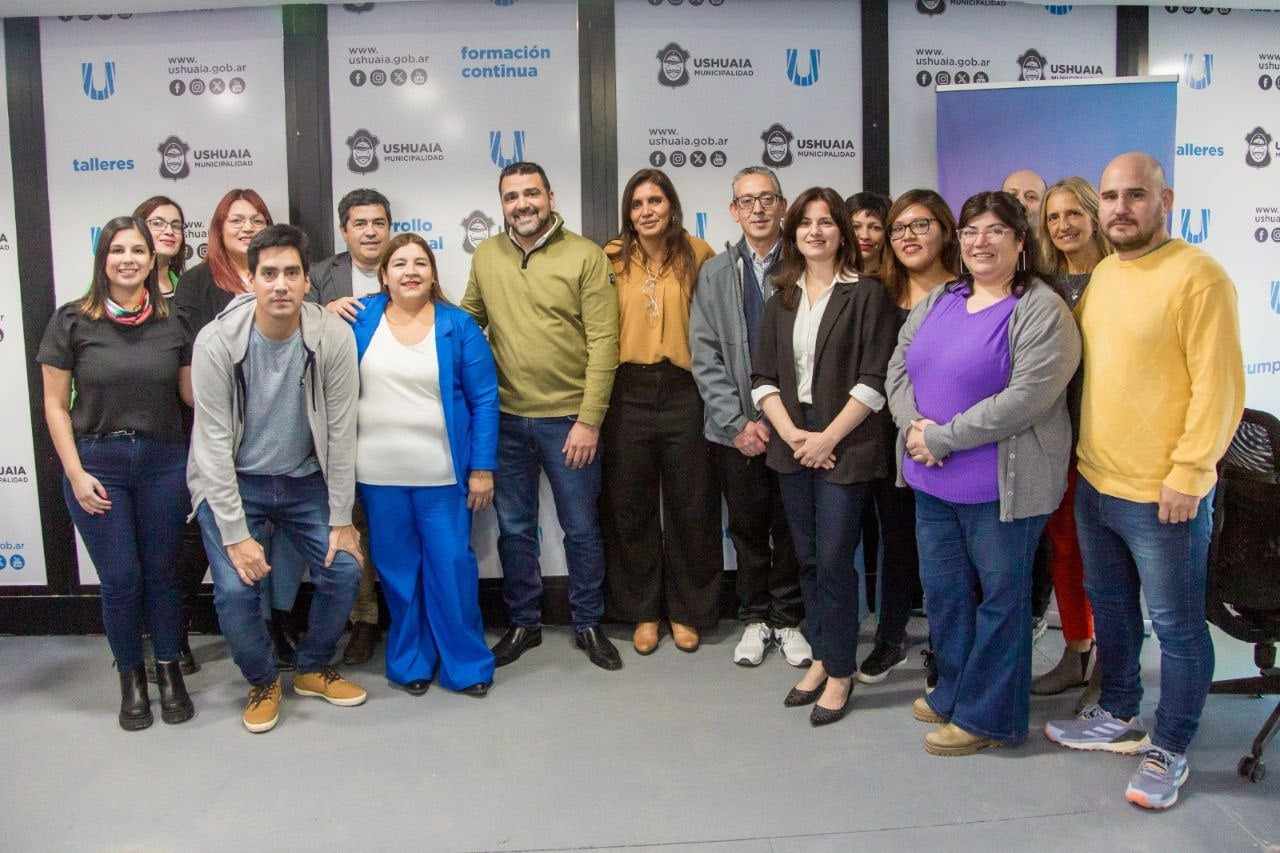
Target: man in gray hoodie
{"points": [[276, 386]]}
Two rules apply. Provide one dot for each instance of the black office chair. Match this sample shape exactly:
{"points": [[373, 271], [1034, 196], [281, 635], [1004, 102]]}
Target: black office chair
{"points": [[1244, 565]]}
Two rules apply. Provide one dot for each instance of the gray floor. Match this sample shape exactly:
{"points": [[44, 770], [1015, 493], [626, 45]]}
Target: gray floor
{"points": [[676, 752]]}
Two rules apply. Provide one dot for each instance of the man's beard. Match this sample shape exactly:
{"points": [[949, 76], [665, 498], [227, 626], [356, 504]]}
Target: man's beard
{"points": [[1138, 240], [539, 224]]}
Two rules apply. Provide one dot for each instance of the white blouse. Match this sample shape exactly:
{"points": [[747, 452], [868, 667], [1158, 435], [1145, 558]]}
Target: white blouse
{"points": [[401, 438]]}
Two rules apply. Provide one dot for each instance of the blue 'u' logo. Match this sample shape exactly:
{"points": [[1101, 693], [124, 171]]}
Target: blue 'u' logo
{"points": [[1058, 9], [495, 148], [1193, 80], [700, 225], [1275, 296], [108, 88], [1194, 237], [793, 74]]}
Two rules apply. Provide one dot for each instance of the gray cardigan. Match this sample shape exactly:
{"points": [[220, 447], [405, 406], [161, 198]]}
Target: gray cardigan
{"points": [[718, 343], [1028, 419]]}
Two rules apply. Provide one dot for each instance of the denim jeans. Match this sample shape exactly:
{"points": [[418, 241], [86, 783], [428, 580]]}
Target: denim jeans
{"points": [[525, 446], [134, 545], [296, 507], [826, 523], [976, 571], [1127, 551]]}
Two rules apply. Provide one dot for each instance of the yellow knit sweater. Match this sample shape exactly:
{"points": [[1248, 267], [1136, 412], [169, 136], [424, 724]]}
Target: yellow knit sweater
{"points": [[1163, 373]]}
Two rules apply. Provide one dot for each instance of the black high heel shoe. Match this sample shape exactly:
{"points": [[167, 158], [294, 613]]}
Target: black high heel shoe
{"points": [[797, 697], [821, 716]]}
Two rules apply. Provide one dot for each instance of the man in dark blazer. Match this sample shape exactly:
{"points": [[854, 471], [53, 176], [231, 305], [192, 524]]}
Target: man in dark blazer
{"points": [[337, 283]]}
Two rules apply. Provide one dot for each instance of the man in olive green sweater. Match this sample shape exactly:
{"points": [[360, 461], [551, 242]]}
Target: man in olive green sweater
{"points": [[544, 295]]}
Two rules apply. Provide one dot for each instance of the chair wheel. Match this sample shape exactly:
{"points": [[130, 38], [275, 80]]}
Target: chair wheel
{"points": [[1253, 769]]}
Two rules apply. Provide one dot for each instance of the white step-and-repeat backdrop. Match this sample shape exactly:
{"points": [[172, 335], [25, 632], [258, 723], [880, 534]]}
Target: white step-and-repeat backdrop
{"points": [[1227, 191], [941, 42], [184, 104], [21, 543], [704, 89], [428, 101]]}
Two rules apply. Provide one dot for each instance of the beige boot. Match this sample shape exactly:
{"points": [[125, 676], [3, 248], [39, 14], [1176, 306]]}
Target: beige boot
{"points": [[951, 740]]}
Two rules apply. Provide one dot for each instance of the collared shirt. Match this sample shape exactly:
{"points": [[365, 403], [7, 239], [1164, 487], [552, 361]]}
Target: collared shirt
{"points": [[761, 265], [804, 345]]}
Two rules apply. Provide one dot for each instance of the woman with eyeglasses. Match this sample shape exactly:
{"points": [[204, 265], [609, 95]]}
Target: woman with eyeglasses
{"points": [[1075, 244], [978, 391], [870, 215], [123, 450], [166, 223], [203, 291], [921, 254], [818, 375], [660, 505]]}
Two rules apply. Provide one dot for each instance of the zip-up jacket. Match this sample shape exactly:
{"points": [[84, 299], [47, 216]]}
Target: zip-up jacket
{"points": [[330, 381], [552, 318], [718, 341]]}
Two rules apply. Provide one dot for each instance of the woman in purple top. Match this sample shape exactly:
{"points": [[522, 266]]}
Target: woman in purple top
{"points": [[977, 388]]}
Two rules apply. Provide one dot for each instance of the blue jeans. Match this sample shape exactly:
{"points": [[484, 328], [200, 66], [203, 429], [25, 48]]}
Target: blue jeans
{"points": [[976, 572], [825, 520], [296, 507], [134, 545], [1127, 551], [421, 537], [525, 446]]}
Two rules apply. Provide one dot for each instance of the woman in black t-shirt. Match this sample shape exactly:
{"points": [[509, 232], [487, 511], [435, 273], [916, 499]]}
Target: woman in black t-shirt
{"points": [[124, 453]]}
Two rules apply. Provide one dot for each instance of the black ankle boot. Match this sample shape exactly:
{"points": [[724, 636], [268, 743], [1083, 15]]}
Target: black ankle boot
{"points": [[175, 704], [185, 657], [135, 704], [284, 646]]}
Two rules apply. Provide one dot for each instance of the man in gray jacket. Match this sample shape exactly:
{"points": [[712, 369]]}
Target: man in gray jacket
{"points": [[727, 306], [276, 385]]}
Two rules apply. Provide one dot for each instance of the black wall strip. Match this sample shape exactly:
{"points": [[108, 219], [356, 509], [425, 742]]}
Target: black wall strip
{"points": [[598, 114], [875, 96], [1132, 36], [309, 141]]}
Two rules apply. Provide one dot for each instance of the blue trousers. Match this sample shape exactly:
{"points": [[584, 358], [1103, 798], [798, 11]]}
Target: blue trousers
{"points": [[976, 571], [297, 507], [134, 545], [1127, 551], [421, 542]]}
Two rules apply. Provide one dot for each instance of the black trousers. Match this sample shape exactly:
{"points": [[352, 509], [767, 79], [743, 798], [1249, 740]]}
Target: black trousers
{"points": [[768, 580], [191, 566], [898, 574], [656, 456], [1041, 578]]}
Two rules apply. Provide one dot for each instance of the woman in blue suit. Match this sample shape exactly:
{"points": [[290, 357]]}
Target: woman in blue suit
{"points": [[426, 450]]}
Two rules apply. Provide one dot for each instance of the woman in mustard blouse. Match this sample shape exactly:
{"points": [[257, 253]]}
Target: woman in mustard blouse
{"points": [[655, 455]]}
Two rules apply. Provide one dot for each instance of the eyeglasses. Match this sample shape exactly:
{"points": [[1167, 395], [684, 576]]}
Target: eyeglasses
{"points": [[994, 233], [767, 201], [239, 221], [919, 227], [161, 225]]}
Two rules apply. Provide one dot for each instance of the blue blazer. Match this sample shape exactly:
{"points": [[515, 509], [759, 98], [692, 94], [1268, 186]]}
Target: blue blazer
{"points": [[468, 382]]}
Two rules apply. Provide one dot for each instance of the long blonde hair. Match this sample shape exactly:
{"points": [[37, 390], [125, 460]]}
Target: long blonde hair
{"points": [[1053, 262]]}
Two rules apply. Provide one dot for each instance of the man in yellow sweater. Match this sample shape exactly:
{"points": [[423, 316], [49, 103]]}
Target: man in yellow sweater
{"points": [[544, 295], [1163, 393]]}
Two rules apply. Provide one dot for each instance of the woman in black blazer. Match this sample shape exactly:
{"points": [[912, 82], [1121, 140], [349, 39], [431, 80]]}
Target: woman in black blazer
{"points": [[818, 375]]}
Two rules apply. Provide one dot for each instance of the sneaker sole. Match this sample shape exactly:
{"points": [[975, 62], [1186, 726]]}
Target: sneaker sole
{"points": [[957, 751], [746, 661], [343, 703], [1138, 798], [876, 679], [1131, 747], [259, 728], [801, 662]]}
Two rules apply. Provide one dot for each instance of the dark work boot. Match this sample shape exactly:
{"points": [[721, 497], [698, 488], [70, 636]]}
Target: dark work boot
{"points": [[284, 645], [135, 704], [175, 704]]}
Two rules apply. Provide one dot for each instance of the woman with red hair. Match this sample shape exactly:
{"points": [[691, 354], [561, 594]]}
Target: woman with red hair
{"points": [[205, 289]]}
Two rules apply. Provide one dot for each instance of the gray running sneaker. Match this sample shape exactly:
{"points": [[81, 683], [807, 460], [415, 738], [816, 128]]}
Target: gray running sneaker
{"points": [[1098, 729], [1156, 782]]}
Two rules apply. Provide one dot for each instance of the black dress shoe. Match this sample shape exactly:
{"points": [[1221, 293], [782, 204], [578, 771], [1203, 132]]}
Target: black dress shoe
{"points": [[516, 642], [417, 687], [478, 690], [797, 697], [821, 716], [286, 659], [364, 637], [175, 703], [599, 650], [135, 703]]}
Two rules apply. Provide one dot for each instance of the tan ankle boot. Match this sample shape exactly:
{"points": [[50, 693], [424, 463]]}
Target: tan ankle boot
{"points": [[645, 638], [686, 638], [922, 711], [952, 740]]}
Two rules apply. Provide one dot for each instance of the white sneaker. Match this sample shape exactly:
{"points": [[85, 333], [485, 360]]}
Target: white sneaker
{"points": [[795, 648], [756, 639]]}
